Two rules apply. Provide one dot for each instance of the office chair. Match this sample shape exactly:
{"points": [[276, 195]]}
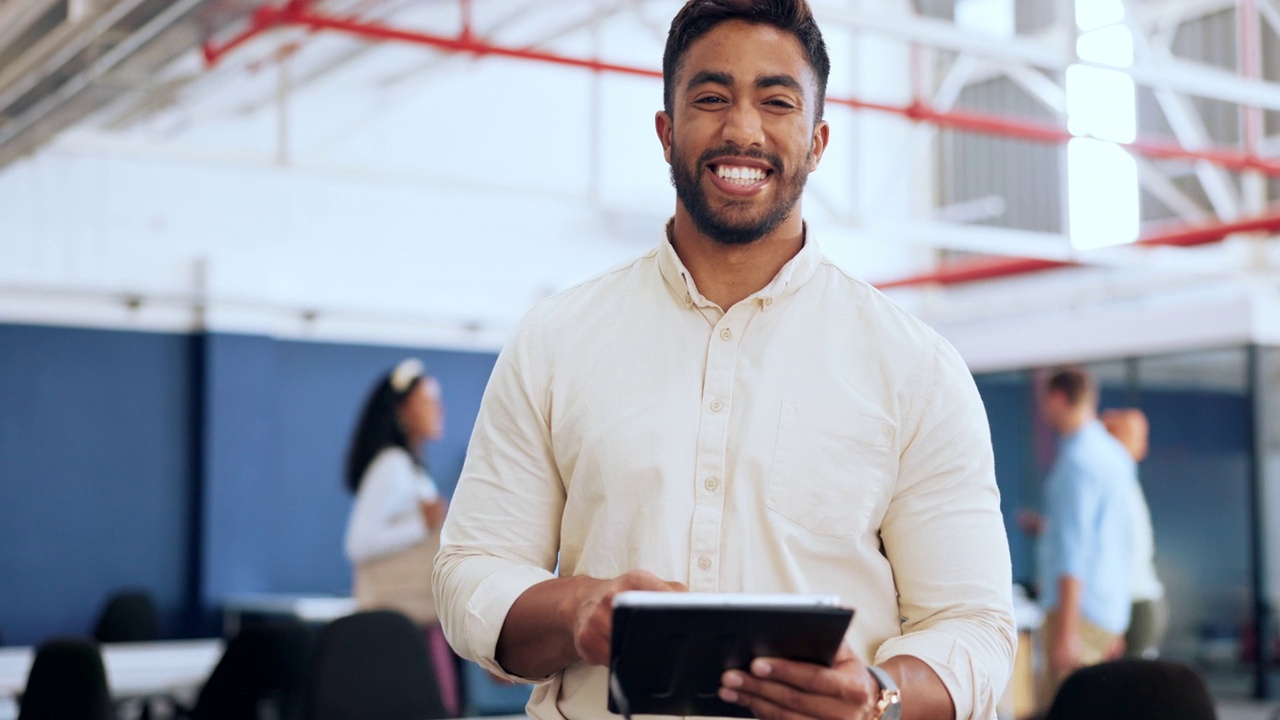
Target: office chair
{"points": [[373, 664], [1133, 689], [128, 616], [264, 665], [67, 681]]}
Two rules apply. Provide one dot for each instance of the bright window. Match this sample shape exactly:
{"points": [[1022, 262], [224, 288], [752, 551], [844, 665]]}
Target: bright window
{"points": [[1102, 178]]}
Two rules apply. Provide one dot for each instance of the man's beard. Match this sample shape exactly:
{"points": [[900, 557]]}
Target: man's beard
{"points": [[720, 225]]}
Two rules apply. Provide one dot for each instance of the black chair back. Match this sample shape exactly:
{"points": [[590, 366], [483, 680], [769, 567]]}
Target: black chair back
{"points": [[128, 616], [67, 681], [373, 664], [1133, 689], [265, 664]]}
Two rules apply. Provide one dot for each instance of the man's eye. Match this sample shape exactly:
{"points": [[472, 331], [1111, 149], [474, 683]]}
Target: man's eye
{"points": [[709, 100], [781, 104]]}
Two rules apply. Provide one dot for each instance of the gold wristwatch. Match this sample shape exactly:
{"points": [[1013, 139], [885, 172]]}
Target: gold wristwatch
{"points": [[889, 705]]}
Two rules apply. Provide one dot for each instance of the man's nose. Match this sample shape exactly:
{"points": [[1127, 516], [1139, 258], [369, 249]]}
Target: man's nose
{"points": [[743, 126]]}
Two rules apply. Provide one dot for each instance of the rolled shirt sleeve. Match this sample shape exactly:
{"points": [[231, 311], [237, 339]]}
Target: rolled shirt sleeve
{"points": [[502, 535], [944, 536]]}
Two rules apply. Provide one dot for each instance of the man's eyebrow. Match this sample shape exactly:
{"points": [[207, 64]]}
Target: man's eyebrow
{"points": [[768, 81], [709, 76]]}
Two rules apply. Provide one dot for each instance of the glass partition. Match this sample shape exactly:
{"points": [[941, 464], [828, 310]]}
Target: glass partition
{"points": [[1198, 479]]}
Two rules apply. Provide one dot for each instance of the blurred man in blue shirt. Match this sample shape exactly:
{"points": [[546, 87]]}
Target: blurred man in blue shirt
{"points": [[1085, 549]]}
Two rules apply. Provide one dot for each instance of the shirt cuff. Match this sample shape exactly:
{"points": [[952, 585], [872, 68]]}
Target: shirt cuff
{"points": [[970, 689], [487, 612]]}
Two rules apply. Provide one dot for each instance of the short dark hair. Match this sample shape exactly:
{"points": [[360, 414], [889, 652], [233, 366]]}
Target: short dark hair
{"points": [[698, 17], [1074, 383]]}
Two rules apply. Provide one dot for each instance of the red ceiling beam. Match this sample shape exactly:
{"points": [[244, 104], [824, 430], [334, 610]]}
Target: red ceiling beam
{"points": [[298, 13], [990, 269], [267, 18]]}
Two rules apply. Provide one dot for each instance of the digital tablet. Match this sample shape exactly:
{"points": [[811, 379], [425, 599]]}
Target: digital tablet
{"points": [[668, 650]]}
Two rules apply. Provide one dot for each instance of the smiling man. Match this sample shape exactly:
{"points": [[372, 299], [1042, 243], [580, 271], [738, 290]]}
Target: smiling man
{"points": [[733, 413]]}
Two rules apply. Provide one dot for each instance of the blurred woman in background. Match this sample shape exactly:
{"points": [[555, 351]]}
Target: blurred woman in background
{"points": [[393, 532]]}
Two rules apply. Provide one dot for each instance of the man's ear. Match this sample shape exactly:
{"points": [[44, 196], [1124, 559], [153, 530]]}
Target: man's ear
{"points": [[821, 136], [665, 127]]}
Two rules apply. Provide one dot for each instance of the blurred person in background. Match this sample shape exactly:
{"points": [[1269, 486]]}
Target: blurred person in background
{"points": [[1085, 545], [393, 532], [1149, 614]]}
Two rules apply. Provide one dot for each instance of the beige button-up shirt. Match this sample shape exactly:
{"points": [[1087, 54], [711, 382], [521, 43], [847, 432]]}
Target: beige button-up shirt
{"points": [[814, 438]]}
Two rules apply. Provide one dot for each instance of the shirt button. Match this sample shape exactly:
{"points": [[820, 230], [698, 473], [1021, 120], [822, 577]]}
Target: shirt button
{"points": [[768, 302], [704, 563], [726, 334], [710, 484], [716, 406]]}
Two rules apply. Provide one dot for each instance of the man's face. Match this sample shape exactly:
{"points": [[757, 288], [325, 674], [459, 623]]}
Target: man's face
{"points": [[742, 141], [1055, 408]]}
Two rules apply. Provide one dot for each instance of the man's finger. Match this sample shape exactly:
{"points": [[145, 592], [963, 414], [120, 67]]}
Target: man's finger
{"points": [[808, 677], [778, 701], [762, 708]]}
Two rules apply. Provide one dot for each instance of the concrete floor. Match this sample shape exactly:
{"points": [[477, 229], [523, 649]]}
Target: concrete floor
{"points": [[1248, 710]]}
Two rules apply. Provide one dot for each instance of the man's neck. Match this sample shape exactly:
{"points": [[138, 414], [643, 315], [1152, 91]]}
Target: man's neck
{"points": [[726, 274], [1072, 424]]}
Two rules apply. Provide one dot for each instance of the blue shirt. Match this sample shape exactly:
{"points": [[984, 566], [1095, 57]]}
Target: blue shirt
{"points": [[1088, 525]]}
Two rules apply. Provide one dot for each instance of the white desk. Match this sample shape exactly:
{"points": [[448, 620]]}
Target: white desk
{"points": [[307, 608], [176, 667]]}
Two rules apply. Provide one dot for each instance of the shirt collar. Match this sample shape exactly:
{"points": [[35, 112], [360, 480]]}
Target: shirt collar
{"points": [[790, 278], [1091, 427]]}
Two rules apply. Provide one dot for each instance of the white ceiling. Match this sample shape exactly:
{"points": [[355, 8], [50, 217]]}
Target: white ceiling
{"points": [[393, 183]]}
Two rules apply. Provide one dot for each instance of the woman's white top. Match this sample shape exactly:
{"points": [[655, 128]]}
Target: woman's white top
{"points": [[387, 515]]}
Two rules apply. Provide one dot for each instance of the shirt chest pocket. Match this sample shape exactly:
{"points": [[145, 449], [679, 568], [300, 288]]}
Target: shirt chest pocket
{"points": [[831, 468]]}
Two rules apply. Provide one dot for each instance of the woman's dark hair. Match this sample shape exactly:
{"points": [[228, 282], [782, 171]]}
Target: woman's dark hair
{"points": [[698, 17], [378, 429]]}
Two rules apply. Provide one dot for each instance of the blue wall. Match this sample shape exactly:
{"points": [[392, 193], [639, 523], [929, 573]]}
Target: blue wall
{"points": [[95, 481], [1008, 400], [194, 466], [278, 418], [1196, 483]]}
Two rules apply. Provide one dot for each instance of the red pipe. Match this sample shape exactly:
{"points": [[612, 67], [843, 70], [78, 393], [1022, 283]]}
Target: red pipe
{"points": [[1041, 132], [266, 18], [297, 12], [989, 269]]}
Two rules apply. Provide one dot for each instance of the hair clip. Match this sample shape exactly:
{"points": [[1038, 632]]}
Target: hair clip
{"points": [[405, 373]]}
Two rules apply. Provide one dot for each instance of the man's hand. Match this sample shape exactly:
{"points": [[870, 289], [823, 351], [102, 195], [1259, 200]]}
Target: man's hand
{"points": [[1065, 655], [1031, 522], [564, 620], [593, 623], [1117, 649], [778, 689]]}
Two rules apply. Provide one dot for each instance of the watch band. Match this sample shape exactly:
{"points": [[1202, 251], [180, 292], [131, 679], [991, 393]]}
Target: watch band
{"points": [[889, 705]]}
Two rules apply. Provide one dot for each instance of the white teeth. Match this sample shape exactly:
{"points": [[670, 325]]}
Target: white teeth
{"points": [[738, 175]]}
